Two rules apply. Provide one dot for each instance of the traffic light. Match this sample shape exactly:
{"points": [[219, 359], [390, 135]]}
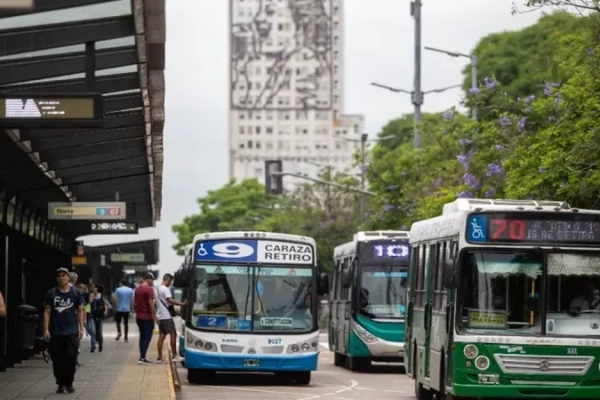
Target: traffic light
{"points": [[273, 177]]}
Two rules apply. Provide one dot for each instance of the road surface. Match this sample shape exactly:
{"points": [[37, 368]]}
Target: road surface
{"points": [[382, 381]]}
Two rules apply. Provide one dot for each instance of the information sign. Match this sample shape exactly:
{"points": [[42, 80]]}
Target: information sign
{"points": [[87, 211], [128, 257], [107, 228], [51, 110]]}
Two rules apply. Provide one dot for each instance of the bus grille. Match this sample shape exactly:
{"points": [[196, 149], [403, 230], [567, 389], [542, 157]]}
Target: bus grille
{"points": [[543, 365], [273, 350], [229, 348]]}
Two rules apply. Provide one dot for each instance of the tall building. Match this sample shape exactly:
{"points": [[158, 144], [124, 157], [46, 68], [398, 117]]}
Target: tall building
{"points": [[286, 88]]}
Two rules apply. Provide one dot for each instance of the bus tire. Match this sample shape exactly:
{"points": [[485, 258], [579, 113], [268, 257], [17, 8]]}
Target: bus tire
{"points": [[357, 364], [200, 376], [338, 359], [303, 378], [420, 392]]}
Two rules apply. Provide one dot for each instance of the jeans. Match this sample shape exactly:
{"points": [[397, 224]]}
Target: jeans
{"points": [[63, 350], [90, 327], [98, 322], [146, 330], [122, 316]]}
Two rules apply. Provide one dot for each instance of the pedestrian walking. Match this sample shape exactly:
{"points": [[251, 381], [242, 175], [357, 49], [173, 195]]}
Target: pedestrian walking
{"points": [[63, 327], [166, 312], [73, 277], [145, 315], [99, 311], [123, 300]]}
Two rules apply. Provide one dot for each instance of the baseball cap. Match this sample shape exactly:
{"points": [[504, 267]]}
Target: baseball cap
{"points": [[61, 271], [149, 275]]}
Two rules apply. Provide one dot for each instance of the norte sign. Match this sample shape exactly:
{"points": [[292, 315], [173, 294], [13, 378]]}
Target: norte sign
{"points": [[87, 211], [51, 111]]}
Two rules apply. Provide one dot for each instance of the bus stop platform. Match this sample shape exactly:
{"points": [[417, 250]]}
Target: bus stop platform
{"points": [[113, 374]]}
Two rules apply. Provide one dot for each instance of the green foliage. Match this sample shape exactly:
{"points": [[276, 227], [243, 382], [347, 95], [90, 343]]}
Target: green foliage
{"points": [[233, 207], [522, 61]]}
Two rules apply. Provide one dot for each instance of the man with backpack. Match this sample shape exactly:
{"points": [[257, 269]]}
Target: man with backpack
{"points": [[166, 312], [64, 322]]}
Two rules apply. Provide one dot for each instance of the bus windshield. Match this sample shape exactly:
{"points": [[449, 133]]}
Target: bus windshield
{"points": [[501, 293], [383, 292], [238, 298]]}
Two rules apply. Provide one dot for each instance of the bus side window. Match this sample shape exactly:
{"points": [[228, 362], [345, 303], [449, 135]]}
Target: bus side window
{"points": [[438, 278], [338, 285], [332, 293], [419, 291]]}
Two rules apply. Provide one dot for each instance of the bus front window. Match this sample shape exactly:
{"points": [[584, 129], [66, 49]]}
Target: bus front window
{"points": [[284, 299], [500, 293], [223, 299], [383, 292]]}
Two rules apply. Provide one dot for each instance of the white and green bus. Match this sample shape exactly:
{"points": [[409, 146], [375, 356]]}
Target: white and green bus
{"points": [[367, 303], [504, 302]]}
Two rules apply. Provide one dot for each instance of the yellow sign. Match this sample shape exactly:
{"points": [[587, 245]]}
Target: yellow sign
{"points": [[487, 319], [79, 260]]}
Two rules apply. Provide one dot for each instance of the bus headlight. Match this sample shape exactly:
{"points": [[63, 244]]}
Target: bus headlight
{"points": [[364, 334], [302, 347], [206, 346], [471, 351], [482, 363], [305, 346]]}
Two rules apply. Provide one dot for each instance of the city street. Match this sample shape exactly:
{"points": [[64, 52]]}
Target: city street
{"points": [[382, 381]]}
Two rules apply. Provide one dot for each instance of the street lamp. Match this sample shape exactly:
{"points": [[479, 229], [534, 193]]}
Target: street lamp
{"points": [[473, 58], [364, 138], [417, 101]]}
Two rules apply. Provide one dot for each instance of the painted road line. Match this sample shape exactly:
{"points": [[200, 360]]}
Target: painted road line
{"points": [[254, 390], [352, 386]]}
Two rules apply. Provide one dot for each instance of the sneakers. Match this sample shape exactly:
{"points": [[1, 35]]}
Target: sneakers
{"points": [[178, 359], [126, 340], [60, 390], [118, 336], [144, 361], [160, 361], [70, 389]]}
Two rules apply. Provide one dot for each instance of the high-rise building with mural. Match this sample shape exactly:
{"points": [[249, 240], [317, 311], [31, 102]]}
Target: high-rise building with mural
{"points": [[287, 88]]}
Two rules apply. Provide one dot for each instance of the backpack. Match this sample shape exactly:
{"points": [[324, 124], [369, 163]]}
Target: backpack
{"points": [[99, 310]]}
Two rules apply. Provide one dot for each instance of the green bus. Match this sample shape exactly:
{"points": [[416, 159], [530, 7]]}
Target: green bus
{"points": [[367, 303], [504, 302]]}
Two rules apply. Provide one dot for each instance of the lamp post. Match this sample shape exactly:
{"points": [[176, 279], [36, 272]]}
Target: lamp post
{"points": [[474, 67]]}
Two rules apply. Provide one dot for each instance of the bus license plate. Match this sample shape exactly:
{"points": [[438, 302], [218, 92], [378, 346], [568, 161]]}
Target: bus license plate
{"points": [[251, 363]]}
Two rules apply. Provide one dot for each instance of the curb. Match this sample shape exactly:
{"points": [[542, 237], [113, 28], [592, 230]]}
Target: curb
{"points": [[174, 381]]}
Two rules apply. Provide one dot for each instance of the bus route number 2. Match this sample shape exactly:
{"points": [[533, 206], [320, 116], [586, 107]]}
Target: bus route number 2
{"points": [[274, 341]]}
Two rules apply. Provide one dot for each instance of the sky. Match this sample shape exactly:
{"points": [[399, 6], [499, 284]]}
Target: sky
{"points": [[379, 47]]}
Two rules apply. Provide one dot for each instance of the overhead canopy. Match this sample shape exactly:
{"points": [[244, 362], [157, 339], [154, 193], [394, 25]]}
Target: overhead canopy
{"points": [[147, 247], [44, 51]]}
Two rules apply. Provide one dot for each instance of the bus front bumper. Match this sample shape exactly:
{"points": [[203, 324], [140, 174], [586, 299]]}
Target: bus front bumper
{"points": [[250, 362], [524, 391], [386, 351]]}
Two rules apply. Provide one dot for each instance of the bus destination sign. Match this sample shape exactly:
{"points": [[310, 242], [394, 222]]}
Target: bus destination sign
{"points": [[533, 228], [386, 250]]}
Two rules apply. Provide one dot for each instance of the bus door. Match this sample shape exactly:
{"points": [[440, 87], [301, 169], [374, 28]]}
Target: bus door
{"points": [[430, 257], [345, 305], [451, 254]]}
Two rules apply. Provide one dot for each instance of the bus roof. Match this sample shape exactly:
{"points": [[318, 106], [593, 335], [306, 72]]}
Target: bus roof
{"points": [[367, 236], [254, 235], [452, 222]]}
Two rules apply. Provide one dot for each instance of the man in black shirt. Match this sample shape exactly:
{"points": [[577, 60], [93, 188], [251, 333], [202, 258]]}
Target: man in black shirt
{"points": [[64, 321]]}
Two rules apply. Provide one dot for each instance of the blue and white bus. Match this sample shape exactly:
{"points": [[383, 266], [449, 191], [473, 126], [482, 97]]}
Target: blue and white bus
{"points": [[253, 303]]}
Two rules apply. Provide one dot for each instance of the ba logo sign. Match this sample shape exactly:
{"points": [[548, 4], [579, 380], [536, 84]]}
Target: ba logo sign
{"points": [[238, 250]]}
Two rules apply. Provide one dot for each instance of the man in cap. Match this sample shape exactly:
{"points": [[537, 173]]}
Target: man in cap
{"points": [[64, 322], [145, 314]]}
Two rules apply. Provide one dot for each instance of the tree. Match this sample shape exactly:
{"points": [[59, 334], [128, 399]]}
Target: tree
{"points": [[327, 214], [523, 61], [232, 207]]}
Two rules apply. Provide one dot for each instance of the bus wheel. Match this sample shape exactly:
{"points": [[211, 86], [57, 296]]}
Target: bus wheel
{"points": [[303, 378], [200, 376], [421, 393], [338, 359], [357, 363]]}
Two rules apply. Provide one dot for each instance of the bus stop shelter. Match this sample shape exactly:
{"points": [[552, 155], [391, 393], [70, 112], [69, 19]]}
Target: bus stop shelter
{"points": [[115, 48]]}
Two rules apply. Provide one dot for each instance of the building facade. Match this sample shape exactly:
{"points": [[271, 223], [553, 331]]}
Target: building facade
{"points": [[286, 88]]}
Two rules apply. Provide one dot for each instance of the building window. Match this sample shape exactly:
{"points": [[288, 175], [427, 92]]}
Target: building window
{"points": [[269, 130], [17, 219], [38, 222], [25, 220], [250, 144], [31, 228], [242, 130]]}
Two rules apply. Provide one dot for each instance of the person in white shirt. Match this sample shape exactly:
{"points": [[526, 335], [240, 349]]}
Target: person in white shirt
{"points": [[165, 313]]}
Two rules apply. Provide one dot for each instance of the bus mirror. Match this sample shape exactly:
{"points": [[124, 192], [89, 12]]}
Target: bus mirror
{"points": [[323, 284], [449, 274], [346, 279]]}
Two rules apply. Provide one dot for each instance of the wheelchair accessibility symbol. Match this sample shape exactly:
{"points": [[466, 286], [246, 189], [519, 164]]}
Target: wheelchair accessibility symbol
{"points": [[477, 229], [201, 250]]}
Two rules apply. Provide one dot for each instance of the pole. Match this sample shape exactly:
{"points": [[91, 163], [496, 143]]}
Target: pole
{"points": [[363, 142], [474, 81], [417, 94]]}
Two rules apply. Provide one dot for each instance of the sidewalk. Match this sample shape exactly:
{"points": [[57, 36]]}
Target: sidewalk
{"points": [[113, 374]]}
